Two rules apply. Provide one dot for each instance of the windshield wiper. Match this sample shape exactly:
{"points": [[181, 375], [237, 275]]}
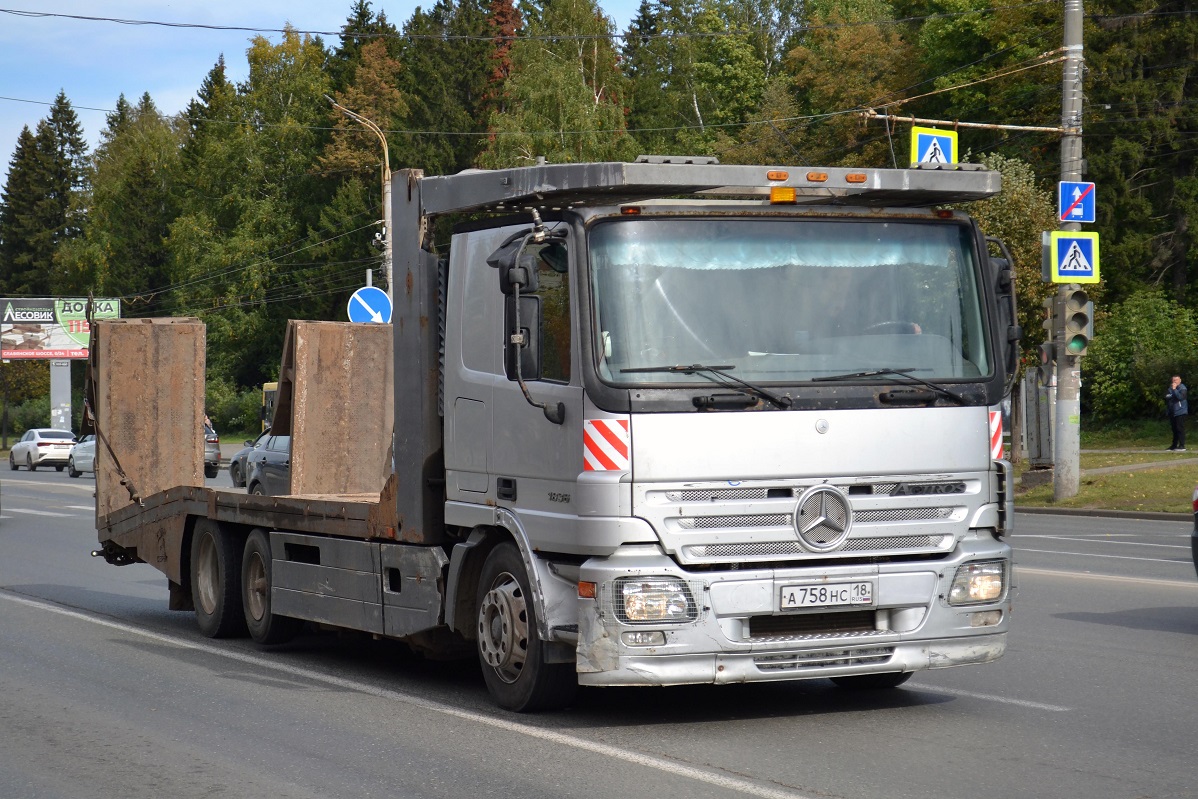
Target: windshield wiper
{"points": [[904, 372], [716, 374]]}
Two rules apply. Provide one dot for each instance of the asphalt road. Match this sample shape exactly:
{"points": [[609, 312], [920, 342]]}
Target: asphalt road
{"points": [[105, 693]]}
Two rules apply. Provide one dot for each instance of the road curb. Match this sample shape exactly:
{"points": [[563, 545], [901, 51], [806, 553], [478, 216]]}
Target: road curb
{"points": [[1158, 516]]}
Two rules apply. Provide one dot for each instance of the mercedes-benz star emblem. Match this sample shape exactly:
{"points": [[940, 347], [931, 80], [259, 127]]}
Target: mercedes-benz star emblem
{"points": [[822, 519]]}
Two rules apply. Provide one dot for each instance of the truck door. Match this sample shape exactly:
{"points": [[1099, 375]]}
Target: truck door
{"points": [[535, 461]]}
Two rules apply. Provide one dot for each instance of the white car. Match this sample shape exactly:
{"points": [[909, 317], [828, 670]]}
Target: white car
{"points": [[83, 457], [42, 446]]}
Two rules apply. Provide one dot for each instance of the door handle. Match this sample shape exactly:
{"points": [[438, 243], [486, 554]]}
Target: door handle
{"points": [[505, 488]]}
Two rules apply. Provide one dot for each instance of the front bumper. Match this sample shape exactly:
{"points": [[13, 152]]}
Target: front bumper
{"points": [[740, 635]]}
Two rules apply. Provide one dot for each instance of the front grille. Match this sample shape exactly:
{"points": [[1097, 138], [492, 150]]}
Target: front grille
{"points": [[804, 624], [710, 522], [717, 494], [828, 658], [766, 549], [902, 515]]}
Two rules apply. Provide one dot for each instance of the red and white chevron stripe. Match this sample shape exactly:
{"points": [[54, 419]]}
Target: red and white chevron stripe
{"points": [[996, 435], [605, 445]]}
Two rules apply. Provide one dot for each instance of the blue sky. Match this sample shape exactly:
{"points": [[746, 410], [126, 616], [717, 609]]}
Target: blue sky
{"points": [[95, 62]]}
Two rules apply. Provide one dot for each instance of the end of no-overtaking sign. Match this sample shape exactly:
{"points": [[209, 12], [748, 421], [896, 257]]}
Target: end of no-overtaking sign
{"points": [[369, 305]]}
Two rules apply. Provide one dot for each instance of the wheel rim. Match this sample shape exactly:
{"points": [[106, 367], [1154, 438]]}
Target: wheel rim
{"points": [[207, 575], [503, 628], [256, 585]]}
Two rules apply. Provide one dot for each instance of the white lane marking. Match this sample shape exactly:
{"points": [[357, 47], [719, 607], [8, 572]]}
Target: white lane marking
{"points": [[659, 763], [1006, 700], [32, 512], [1100, 541], [1096, 555], [1118, 578]]}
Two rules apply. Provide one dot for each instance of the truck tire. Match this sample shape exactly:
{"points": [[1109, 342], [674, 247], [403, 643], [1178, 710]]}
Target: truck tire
{"points": [[256, 581], [873, 682], [509, 650], [216, 581]]}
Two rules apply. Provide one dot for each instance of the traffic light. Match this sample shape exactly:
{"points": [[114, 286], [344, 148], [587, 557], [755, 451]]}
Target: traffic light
{"points": [[1078, 323], [1049, 305], [1048, 359]]}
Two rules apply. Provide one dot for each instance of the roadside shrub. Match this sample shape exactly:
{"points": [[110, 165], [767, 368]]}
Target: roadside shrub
{"points": [[232, 409], [33, 412], [1138, 345]]}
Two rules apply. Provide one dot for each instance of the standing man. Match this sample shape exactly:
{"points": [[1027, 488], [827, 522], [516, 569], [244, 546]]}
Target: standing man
{"points": [[1175, 403]]}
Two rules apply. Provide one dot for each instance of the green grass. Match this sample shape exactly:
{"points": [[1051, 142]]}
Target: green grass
{"points": [[1168, 489], [1162, 490], [1135, 433]]}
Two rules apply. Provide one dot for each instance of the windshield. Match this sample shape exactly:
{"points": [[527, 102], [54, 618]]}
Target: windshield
{"points": [[785, 300]]}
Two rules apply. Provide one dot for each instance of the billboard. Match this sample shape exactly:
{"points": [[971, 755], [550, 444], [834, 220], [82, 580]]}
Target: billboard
{"points": [[45, 328]]}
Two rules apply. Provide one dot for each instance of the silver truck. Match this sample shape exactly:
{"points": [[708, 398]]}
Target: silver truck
{"points": [[643, 423]]}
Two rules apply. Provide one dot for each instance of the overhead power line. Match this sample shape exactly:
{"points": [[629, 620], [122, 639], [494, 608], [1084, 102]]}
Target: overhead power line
{"points": [[546, 37]]}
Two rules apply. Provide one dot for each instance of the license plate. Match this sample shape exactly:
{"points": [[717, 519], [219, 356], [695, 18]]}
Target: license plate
{"points": [[826, 595]]}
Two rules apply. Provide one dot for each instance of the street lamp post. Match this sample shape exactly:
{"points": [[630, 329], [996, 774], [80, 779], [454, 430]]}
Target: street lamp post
{"points": [[386, 187]]}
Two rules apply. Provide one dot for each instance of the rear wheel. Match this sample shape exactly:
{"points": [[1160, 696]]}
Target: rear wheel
{"points": [[873, 682], [511, 653], [256, 581], [71, 470], [256, 490], [210, 470], [216, 581], [59, 468]]}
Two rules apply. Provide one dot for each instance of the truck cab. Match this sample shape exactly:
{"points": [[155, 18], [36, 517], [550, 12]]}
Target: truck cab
{"points": [[731, 439]]}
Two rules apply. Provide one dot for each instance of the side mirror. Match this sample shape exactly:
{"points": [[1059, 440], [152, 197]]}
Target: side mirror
{"points": [[522, 272], [1001, 268], [523, 342]]}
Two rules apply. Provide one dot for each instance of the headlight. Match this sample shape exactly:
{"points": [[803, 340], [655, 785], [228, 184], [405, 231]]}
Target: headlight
{"points": [[978, 583], [654, 599]]}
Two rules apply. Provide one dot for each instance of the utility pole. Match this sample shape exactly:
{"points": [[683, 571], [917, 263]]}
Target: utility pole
{"points": [[361, 120], [1067, 431]]}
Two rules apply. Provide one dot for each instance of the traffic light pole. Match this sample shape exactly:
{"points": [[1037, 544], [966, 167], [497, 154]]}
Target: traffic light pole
{"points": [[1067, 430]]}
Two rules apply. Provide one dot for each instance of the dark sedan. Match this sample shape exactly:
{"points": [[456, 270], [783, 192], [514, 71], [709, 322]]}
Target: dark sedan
{"points": [[268, 467], [238, 467]]}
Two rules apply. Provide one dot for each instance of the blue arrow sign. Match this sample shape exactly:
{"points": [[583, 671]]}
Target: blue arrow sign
{"points": [[369, 304], [1074, 257], [1075, 201]]}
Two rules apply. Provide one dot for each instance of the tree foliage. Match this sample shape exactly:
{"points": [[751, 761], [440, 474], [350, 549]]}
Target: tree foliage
{"points": [[259, 202]]}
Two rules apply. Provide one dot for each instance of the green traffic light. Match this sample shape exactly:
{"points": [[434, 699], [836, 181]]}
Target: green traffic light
{"points": [[1076, 345]]}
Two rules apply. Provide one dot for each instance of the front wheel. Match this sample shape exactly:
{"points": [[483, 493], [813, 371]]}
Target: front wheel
{"points": [[71, 470], [509, 649], [29, 463], [256, 581], [216, 581], [873, 682], [12, 462], [59, 468], [235, 475]]}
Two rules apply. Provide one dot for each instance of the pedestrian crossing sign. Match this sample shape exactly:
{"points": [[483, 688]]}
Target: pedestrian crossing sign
{"points": [[933, 146], [1074, 256]]}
